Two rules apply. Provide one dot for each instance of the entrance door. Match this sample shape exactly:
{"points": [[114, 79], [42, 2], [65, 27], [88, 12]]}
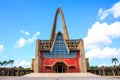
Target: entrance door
{"points": [[60, 67]]}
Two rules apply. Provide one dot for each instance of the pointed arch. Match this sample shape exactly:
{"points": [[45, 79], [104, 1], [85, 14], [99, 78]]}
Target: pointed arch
{"points": [[66, 37]]}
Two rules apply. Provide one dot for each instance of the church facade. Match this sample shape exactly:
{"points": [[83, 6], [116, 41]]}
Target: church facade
{"points": [[59, 54]]}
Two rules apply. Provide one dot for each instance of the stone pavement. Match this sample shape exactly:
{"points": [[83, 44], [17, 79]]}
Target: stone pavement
{"points": [[60, 76]]}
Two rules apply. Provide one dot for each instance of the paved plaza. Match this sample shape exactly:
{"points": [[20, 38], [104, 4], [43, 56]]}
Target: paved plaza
{"points": [[60, 76]]}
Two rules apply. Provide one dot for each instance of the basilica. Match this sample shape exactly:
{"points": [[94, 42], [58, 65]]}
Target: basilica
{"points": [[59, 54]]}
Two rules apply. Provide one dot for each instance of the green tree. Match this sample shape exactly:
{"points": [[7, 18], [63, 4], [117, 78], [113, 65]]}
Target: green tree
{"points": [[1, 64], [11, 62], [93, 67], [5, 63], [20, 67], [115, 61]]}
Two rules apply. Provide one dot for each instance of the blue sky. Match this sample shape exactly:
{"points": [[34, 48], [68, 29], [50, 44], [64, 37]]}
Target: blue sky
{"points": [[24, 21]]}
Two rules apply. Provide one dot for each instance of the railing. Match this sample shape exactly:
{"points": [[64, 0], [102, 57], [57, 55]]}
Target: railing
{"points": [[106, 71], [99, 71], [13, 72]]}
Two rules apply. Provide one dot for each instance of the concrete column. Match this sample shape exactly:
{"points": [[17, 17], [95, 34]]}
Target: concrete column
{"points": [[37, 57], [87, 63], [82, 60], [113, 72], [103, 72], [32, 64], [66, 37]]}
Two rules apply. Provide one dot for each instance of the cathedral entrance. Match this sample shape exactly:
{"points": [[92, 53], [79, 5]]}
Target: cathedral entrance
{"points": [[60, 67]]}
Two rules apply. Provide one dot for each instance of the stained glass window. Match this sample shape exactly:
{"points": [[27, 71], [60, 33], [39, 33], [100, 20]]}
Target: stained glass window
{"points": [[59, 49]]}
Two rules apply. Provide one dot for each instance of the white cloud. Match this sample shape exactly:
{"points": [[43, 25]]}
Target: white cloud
{"points": [[114, 11], [25, 32], [105, 52], [30, 40], [22, 63], [99, 37], [101, 34], [1, 48], [99, 40], [22, 41], [104, 64], [102, 14], [2, 58]]}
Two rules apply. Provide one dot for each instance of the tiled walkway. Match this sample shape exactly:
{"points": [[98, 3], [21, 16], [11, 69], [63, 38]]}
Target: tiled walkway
{"points": [[64, 76]]}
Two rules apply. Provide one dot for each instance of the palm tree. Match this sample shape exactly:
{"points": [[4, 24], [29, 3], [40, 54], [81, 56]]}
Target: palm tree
{"points": [[11, 62], [115, 61], [5, 63], [1, 64]]}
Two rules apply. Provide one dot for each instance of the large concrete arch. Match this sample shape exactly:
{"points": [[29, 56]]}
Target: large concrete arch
{"points": [[66, 37]]}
